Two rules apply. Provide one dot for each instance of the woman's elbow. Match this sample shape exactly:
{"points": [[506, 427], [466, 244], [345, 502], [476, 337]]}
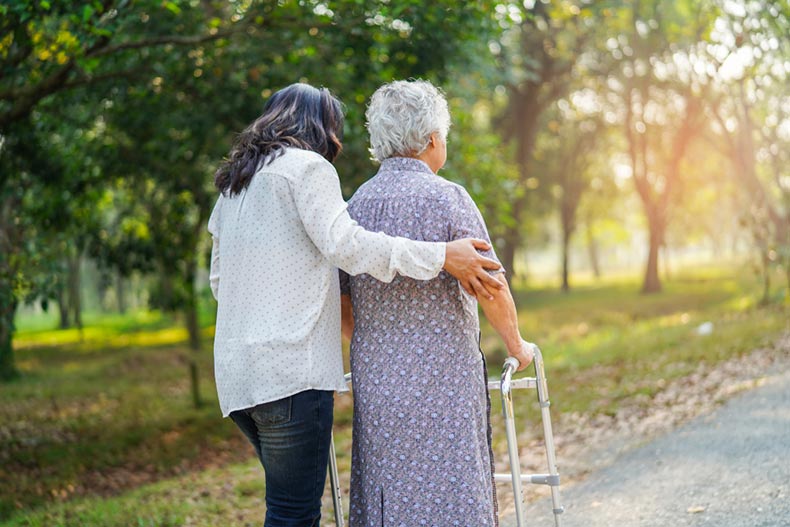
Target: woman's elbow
{"points": [[214, 284]]}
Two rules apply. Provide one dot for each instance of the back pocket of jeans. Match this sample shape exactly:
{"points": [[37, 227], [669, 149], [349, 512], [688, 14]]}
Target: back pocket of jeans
{"points": [[273, 413]]}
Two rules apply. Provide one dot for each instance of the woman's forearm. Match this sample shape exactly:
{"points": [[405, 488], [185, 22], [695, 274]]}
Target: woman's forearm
{"points": [[501, 313]]}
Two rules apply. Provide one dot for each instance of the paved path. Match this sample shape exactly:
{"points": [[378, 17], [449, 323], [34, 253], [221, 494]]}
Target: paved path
{"points": [[727, 469]]}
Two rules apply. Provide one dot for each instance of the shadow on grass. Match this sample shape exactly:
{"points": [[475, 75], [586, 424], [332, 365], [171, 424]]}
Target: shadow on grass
{"points": [[83, 422]]}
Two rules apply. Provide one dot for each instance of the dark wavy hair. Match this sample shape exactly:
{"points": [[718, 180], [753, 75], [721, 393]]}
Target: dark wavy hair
{"points": [[298, 116]]}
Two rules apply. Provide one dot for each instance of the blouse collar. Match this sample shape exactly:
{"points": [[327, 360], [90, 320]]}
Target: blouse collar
{"points": [[405, 164]]}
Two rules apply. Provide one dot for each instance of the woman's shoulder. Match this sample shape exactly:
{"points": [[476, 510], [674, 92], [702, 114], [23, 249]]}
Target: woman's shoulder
{"points": [[450, 190], [451, 199], [293, 152], [294, 160]]}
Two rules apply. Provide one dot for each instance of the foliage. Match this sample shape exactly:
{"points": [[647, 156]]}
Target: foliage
{"points": [[202, 70], [538, 55], [751, 122]]}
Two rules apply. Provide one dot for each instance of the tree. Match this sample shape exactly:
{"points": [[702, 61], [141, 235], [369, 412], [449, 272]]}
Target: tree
{"points": [[538, 53], [662, 98], [566, 153], [31, 211], [751, 112], [47, 49]]}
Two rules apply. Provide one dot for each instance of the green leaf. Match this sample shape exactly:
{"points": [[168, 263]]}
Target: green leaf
{"points": [[44, 4], [90, 65], [173, 8], [87, 13]]}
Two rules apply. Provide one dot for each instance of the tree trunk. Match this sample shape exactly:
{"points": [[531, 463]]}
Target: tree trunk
{"points": [[193, 328], [665, 261], [766, 278], [63, 309], [592, 250], [75, 304], [120, 293], [566, 238], [565, 284], [8, 300], [8, 305], [166, 289], [787, 273], [526, 109], [568, 204], [512, 237], [652, 282], [508, 254], [102, 282]]}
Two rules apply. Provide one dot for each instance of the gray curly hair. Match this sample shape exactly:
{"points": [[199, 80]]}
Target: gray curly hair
{"points": [[401, 117]]}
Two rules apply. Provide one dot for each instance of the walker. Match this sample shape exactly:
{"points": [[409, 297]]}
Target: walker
{"points": [[506, 385]]}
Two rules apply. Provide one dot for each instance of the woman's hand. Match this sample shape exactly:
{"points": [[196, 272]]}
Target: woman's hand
{"points": [[467, 265], [523, 353]]}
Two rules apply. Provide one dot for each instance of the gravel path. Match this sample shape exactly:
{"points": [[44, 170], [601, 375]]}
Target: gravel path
{"points": [[728, 468]]}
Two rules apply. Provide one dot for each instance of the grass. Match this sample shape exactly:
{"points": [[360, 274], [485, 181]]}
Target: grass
{"points": [[104, 413], [604, 343], [217, 496], [101, 431]]}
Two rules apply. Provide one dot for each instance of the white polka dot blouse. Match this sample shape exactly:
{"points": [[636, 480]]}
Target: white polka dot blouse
{"points": [[276, 249]]}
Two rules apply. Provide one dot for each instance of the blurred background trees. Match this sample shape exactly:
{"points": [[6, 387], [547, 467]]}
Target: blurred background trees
{"points": [[583, 130]]}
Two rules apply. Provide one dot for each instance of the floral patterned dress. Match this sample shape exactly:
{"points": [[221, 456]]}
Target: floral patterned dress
{"points": [[421, 450]]}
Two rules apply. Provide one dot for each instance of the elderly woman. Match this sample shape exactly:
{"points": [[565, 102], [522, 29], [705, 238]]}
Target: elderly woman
{"points": [[421, 443]]}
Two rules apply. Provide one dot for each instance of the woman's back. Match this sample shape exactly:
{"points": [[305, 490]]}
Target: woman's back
{"points": [[274, 290], [421, 449], [265, 250], [406, 199]]}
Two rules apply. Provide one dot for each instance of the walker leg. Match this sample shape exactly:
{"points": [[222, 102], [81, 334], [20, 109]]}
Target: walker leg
{"points": [[335, 483], [512, 451], [548, 435]]}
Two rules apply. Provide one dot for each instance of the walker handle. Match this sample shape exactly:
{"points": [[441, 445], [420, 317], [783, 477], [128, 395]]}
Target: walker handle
{"points": [[512, 364], [508, 369]]}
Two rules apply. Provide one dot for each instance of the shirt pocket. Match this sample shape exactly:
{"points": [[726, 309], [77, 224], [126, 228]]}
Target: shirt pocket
{"points": [[271, 414]]}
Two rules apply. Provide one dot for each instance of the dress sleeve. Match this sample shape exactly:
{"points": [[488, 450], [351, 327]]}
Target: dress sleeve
{"points": [[348, 246], [213, 228], [465, 221]]}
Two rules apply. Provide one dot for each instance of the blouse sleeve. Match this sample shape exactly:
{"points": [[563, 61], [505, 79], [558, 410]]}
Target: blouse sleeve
{"points": [[348, 246], [213, 228]]}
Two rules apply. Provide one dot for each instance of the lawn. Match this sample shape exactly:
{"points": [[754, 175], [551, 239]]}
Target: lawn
{"points": [[100, 429]]}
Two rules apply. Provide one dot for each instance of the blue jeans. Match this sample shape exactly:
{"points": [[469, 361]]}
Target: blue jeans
{"points": [[291, 438]]}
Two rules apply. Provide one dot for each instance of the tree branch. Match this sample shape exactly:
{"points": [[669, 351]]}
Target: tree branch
{"points": [[162, 41], [25, 99], [84, 79]]}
